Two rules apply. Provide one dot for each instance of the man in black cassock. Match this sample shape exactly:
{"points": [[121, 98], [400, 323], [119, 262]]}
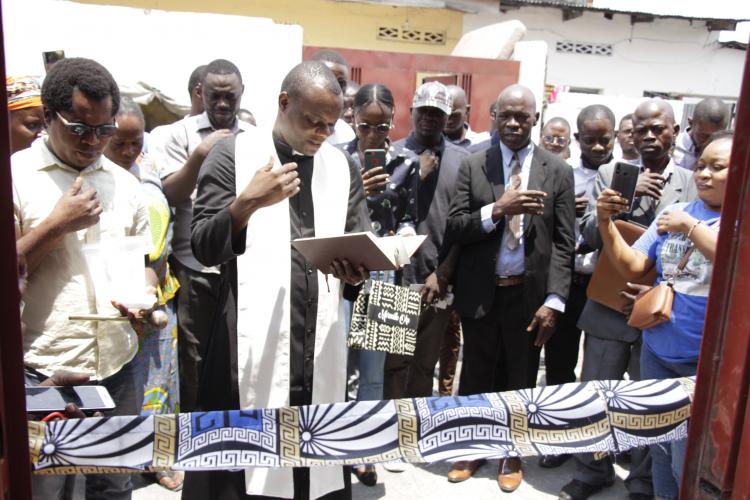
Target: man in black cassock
{"points": [[278, 339]]}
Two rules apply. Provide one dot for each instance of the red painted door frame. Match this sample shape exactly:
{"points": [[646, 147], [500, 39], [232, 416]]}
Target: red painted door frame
{"points": [[482, 79], [15, 478], [718, 461]]}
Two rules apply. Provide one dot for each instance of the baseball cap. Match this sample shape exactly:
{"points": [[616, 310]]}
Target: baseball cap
{"points": [[433, 94]]}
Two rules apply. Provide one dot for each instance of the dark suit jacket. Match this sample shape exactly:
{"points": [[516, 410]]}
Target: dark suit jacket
{"points": [[549, 239]]}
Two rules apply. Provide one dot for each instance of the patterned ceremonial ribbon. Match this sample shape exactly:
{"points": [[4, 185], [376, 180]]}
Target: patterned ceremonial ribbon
{"points": [[597, 417]]}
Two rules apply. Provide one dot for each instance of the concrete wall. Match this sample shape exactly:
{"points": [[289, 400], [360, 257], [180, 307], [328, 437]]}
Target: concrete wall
{"points": [[327, 23], [667, 55]]}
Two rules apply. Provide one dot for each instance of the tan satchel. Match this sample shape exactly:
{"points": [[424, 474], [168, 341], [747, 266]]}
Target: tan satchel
{"points": [[654, 306]]}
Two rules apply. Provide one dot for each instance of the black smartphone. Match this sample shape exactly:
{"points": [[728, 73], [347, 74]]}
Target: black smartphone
{"points": [[374, 158], [52, 57], [625, 180], [41, 399]]}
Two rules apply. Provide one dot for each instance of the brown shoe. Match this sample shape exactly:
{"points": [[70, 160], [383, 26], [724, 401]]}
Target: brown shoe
{"points": [[509, 474], [463, 470]]}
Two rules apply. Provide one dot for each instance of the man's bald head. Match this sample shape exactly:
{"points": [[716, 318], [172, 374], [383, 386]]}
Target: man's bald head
{"points": [[653, 107], [654, 132], [310, 102], [458, 95], [310, 73], [711, 115], [515, 116], [454, 127], [517, 93], [712, 110]]}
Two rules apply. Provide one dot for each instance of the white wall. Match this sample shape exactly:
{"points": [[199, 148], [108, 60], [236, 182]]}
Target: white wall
{"points": [[667, 55], [156, 47]]}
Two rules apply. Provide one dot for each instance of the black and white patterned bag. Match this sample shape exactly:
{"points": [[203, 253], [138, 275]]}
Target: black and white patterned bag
{"points": [[385, 318]]}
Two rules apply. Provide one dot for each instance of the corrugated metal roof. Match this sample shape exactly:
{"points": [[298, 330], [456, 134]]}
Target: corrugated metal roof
{"points": [[703, 11]]}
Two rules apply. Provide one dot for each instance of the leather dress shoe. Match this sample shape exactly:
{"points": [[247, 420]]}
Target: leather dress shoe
{"points": [[366, 474], [578, 490], [552, 461], [509, 474], [463, 470]]}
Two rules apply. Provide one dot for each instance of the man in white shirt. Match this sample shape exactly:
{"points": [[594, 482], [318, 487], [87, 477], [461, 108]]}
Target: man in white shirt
{"points": [[67, 194], [180, 162], [596, 138], [711, 115]]}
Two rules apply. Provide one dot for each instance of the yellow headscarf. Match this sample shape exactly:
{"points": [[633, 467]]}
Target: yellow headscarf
{"points": [[23, 92]]}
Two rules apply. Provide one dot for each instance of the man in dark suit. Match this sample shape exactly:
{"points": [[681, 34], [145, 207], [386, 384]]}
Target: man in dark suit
{"points": [[513, 219]]}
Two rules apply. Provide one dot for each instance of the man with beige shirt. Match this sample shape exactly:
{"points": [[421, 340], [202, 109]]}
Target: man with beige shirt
{"points": [[66, 194]]}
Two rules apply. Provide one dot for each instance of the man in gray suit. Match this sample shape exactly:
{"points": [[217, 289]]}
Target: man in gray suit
{"points": [[612, 347], [512, 223]]}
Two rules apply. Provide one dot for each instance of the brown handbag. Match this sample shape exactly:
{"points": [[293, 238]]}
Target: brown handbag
{"points": [[606, 281], [654, 306]]}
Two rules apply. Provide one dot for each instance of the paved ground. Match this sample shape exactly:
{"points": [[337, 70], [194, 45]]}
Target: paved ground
{"points": [[429, 482]]}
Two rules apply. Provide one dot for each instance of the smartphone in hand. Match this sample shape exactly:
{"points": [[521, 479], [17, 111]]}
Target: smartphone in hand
{"points": [[48, 399], [625, 180], [374, 158]]}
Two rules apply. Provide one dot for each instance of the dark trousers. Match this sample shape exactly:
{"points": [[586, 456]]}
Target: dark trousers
{"points": [[128, 398], [230, 485], [561, 350], [449, 352], [606, 359], [411, 376], [197, 301], [499, 354]]}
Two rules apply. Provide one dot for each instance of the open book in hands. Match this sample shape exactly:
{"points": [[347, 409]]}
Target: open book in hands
{"points": [[388, 253]]}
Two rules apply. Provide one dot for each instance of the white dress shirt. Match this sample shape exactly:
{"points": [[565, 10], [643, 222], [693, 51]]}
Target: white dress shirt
{"points": [[584, 183], [183, 137], [510, 262], [685, 154]]}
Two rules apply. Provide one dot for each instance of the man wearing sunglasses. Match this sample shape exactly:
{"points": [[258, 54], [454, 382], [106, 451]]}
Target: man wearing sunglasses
{"points": [[67, 194], [556, 137]]}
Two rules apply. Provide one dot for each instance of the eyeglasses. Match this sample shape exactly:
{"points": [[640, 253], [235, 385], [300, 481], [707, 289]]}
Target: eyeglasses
{"points": [[382, 129], [81, 129], [553, 139]]}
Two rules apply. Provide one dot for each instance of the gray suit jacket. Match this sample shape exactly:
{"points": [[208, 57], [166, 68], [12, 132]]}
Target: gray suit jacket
{"points": [[549, 239], [596, 319]]}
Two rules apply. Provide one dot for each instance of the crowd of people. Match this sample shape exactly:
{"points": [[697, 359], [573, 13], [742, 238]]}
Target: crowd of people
{"points": [[240, 319]]}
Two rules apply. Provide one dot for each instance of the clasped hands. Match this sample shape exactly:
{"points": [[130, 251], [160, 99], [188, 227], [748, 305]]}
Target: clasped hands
{"points": [[515, 202]]}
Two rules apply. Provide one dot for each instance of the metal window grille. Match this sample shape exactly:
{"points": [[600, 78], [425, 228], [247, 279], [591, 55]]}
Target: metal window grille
{"points": [[593, 49], [411, 35]]}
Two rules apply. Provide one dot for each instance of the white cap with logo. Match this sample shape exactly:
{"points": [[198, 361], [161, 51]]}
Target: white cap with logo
{"points": [[435, 95]]}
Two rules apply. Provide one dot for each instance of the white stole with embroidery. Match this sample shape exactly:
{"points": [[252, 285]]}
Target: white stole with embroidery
{"points": [[263, 304]]}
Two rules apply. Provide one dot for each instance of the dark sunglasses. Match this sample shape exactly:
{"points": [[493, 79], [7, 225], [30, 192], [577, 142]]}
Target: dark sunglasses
{"points": [[81, 129], [553, 139], [383, 128]]}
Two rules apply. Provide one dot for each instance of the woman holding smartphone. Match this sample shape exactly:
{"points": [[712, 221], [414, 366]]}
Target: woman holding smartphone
{"points": [[683, 231], [391, 191]]}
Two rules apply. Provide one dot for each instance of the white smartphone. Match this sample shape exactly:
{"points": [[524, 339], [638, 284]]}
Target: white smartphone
{"points": [[40, 399]]}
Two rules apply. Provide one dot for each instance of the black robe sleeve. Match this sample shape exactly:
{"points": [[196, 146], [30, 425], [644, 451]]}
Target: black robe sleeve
{"points": [[357, 215], [211, 238]]}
